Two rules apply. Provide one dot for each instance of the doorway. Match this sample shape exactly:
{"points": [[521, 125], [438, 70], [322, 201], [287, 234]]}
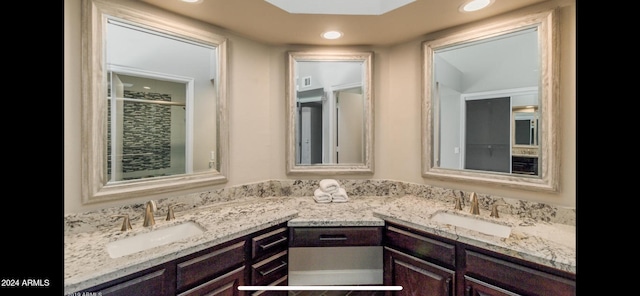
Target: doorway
{"points": [[487, 137], [310, 133]]}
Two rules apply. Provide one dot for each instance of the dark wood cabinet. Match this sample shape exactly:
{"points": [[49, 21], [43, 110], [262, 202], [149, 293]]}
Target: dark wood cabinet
{"points": [[426, 264], [270, 259], [199, 269], [224, 285], [421, 265], [158, 281], [259, 258], [335, 236], [516, 278], [473, 287], [416, 276], [280, 282], [269, 243]]}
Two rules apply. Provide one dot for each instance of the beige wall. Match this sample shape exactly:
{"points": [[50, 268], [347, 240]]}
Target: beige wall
{"points": [[257, 114]]}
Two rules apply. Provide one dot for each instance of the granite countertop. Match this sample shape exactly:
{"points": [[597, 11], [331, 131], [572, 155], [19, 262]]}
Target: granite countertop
{"points": [[550, 244], [87, 263]]}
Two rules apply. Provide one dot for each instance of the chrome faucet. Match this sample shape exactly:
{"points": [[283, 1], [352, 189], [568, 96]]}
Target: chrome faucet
{"points": [[474, 209], [148, 214]]}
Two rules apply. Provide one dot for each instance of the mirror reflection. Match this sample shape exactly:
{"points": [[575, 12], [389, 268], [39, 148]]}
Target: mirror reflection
{"points": [[477, 84], [489, 101], [330, 116], [156, 82], [525, 126], [154, 102], [329, 112], [145, 129]]}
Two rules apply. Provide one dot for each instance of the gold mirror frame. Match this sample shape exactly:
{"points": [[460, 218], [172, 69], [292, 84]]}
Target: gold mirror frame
{"points": [[548, 180], [95, 186], [329, 169]]}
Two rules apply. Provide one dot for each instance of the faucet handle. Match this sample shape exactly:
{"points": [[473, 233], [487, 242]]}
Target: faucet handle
{"points": [[126, 223], [458, 205], [170, 214], [494, 210], [474, 209], [459, 201]]}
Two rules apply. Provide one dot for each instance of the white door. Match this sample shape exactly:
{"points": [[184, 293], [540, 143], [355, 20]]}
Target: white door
{"points": [[350, 129]]}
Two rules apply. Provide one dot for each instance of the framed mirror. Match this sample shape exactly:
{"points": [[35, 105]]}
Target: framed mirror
{"points": [[329, 113], [153, 102], [490, 104]]}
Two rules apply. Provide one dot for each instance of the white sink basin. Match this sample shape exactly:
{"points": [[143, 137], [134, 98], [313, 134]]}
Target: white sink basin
{"points": [[471, 223], [156, 237]]}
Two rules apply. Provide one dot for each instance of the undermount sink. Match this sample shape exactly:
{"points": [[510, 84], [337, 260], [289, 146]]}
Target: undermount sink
{"points": [[152, 239], [472, 223]]}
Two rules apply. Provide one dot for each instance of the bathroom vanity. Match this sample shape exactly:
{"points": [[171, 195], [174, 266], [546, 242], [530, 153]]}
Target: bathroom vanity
{"points": [[249, 242], [424, 264], [258, 259]]}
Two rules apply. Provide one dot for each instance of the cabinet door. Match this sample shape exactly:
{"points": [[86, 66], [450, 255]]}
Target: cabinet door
{"points": [[515, 277], [209, 263], [418, 245], [225, 285], [416, 276], [157, 282], [474, 287]]}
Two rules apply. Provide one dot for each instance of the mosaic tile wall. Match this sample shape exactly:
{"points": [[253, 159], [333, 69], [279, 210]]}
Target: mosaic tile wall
{"points": [[146, 133]]}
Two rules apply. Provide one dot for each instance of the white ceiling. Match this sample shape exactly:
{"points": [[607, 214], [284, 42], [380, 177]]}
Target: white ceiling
{"points": [[261, 21]]}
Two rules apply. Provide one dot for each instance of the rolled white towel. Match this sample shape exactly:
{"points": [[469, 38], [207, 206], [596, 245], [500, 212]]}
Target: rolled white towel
{"points": [[340, 196], [329, 185], [321, 197]]}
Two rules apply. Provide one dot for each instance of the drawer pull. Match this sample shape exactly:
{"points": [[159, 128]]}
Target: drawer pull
{"points": [[333, 237], [283, 264], [269, 245]]}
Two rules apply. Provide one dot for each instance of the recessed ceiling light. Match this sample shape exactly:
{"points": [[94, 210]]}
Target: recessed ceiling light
{"points": [[332, 35], [475, 5], [191, 1]]}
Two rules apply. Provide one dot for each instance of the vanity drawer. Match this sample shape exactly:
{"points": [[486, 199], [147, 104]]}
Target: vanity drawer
{"points": [[420, 246], [269, 243], [153, 282], [269, 270], [279, 282], [226, 284], [335, 236], [209, 263]]}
